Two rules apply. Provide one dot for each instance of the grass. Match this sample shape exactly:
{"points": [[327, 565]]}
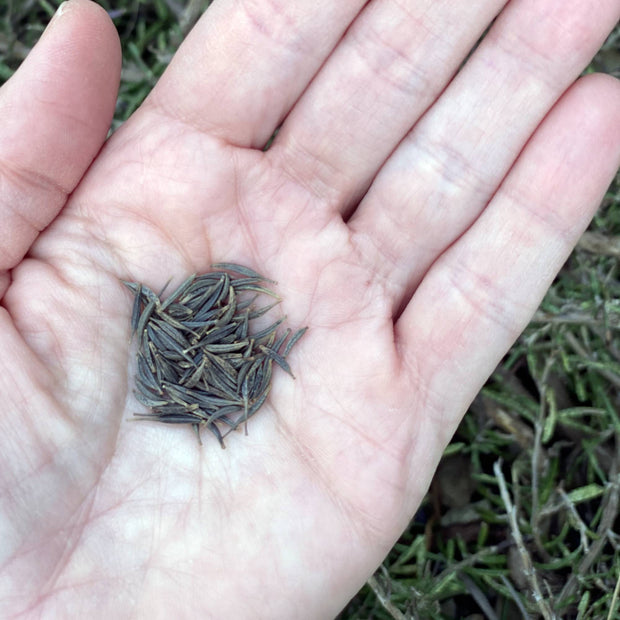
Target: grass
{"points": [[521, 520]]}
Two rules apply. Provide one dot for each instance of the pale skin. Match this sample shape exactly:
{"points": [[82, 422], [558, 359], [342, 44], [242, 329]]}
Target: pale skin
{"points": [[413, 223]]}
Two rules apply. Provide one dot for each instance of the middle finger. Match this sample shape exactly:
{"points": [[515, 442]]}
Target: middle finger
{"points": [[393, 62]]}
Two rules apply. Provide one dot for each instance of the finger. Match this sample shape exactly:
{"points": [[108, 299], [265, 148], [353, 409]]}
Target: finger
{"points": [[480, 294], [448, 168], [394, 61], [55, 113], [244, 64]]}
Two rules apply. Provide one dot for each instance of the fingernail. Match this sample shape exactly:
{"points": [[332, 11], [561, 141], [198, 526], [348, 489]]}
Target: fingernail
{"points": [[60, 11]]}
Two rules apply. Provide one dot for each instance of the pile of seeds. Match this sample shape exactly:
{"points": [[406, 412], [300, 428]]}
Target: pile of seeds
{"points": [[198, 361]]}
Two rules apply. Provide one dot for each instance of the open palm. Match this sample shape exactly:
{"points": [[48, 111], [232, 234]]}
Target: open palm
{"points": [[414, 256]]}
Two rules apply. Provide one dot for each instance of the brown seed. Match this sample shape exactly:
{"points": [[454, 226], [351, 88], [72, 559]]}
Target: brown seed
{"points": [[198, 361]]}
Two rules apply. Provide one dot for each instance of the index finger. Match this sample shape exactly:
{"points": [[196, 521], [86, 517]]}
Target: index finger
{"points": [[246, 62]]}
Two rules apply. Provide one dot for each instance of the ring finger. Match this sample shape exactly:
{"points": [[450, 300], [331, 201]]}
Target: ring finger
{"points": [[450, 165]]}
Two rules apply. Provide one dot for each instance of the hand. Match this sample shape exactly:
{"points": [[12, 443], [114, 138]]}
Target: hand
{"points": [[415, 256]]}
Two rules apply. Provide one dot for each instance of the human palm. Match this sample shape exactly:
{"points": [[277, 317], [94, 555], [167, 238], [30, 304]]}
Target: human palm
{"points": [[415, 258]]}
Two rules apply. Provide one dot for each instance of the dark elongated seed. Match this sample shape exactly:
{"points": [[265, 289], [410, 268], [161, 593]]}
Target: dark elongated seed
{"points": [[179, 325], [243, 372], [222, 414], [262, 378], [149, 401], [217, 333], [278, 359], [244, 304], [173, 418], [197, 373], [230, 309], [216, 431], [145, 316], [135, 313], [281, 340], [224, 348], [223, 392], [149, 350], [177, 293], [221, 365], [244, 271], [207, 299], [179, 311], [146, 374], [201, 286], [258, 289], [172, 408], [241, 331], [219, 383], [253, 409], [132, 286], [152, 335], [169, 369], [258, 403], [254, 314], [172, 348], [268, 331], [166, 346], [296, 336], [147, 293], [175, 335]]}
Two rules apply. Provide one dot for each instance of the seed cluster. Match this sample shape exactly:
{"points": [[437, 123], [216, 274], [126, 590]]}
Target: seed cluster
{"points": [[198, 361]]}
